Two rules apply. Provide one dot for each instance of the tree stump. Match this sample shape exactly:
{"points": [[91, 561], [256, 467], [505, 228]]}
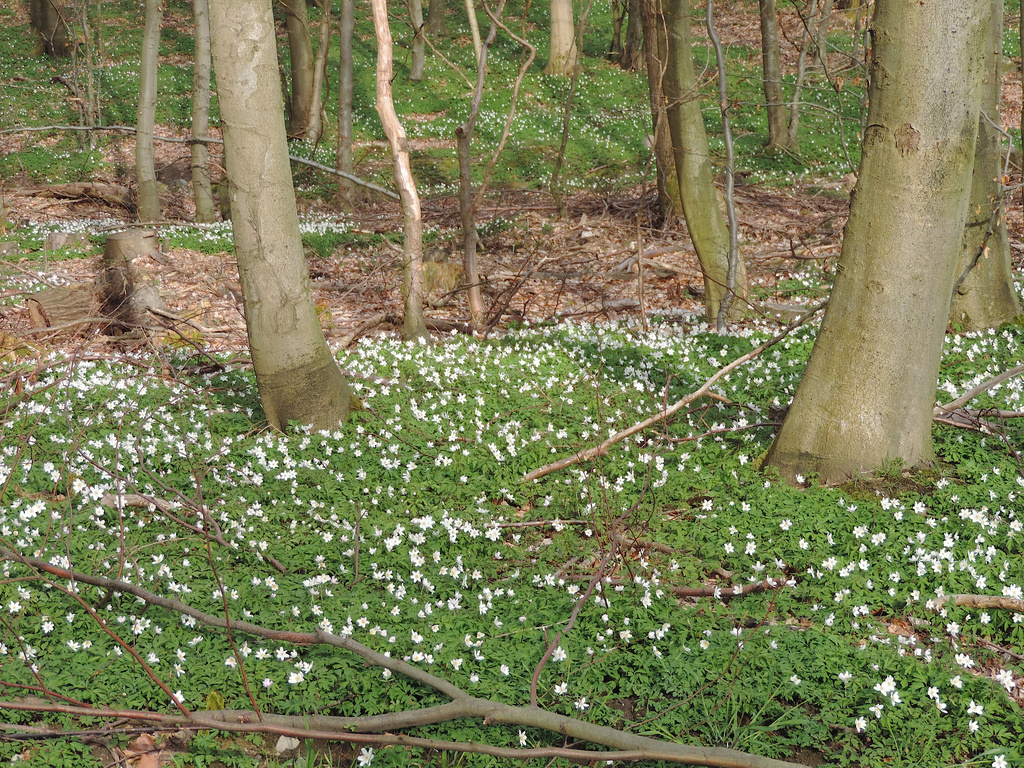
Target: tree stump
{"points": [[116, 300]]}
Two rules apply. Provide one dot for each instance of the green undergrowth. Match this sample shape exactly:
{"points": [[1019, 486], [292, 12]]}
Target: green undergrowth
{"points": [[411, 530]]}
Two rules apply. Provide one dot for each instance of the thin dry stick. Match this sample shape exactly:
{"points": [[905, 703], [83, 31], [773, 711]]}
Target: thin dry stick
{"points": [[602, 449], [981, 601], [960, 402]]}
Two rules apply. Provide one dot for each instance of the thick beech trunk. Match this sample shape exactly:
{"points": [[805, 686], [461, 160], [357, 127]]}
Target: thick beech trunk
{"points": [[562, 57], [655, 49], [697, 189], [436, 26], [984, 295], [414, 324], [201, 187], [145, 168], [867, 394], [298, 377]]}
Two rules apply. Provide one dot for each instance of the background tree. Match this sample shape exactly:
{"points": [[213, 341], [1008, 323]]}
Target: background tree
{"points": [[778, 125], [631, 57], [51, 26], [343, 158], [201, 187], [655, 50], [562, 57], [414, 325], [697, 189], [145, 166], [300, 48], [298, 377], [983, 293], [867, 394], [419, 43], [436, 26]]}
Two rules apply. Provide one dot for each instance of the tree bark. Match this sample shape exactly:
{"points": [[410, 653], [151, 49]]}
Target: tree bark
{"points": [[315, 125], [778, 126], [435, 19], [300, 46], [562, 57], [419, 43], [145, 168], [632, 56], [474, 28], [697, 189], [51, 26], [298, 378], [414, 324], [343, 161], [655, 49], [867, 395], [984, 295], [201, 187]]}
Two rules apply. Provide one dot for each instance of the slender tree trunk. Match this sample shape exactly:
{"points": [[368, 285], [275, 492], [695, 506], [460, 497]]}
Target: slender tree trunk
{"points": [[697, 189], [474, 29], [778, 133], [315, 126], [145, 168], [655, 49], [343, 161], [618, 16], [414, 325], [300, 46], [632, 57], [51, 26], [436, 26], [867, 394], [562, 57], [984, 295], [201, 188], [298, 377], [467, 203], [419, 43]]}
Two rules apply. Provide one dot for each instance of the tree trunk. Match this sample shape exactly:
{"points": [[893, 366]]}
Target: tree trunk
{"points": [[343, 160], [298, 378], [435, 19], [51, 26], [867, 394], [562, 58], [697, 189], [778, 127], [632, 57], [655, 49], [474, 29], [419, 43], [984, 295], [145, 168], [300, 46], [315, 126], [201, 188], [618, 16], [414, 324]]}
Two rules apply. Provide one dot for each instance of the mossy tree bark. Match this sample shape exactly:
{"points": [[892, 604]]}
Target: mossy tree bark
{"points": [[414, 323], [867, 394], [201, 186], [562, 57], [697, 189], [984, 295], [145, 167], [298, 378]]}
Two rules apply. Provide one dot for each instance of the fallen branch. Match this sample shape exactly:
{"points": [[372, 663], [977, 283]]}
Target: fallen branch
{"points": [[966, 397], [602, 449], [980, 601], [358, 729]]}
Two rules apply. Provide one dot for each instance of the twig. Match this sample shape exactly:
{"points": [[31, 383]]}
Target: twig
{"points": [[942, 410], [602, 449]]}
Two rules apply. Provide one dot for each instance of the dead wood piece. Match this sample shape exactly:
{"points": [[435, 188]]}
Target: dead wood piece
{"points": [[112, 194], [1014, 604], [69, 307]]}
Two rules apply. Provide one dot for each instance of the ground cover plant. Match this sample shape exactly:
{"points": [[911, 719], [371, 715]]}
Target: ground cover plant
{"points": [[820, 629]]}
